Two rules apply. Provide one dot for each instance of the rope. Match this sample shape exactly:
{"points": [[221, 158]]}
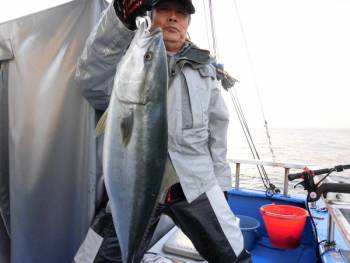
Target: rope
{"points": [[206, 23], [212, 24], [270, 188], [261, 169], [250, 61]]}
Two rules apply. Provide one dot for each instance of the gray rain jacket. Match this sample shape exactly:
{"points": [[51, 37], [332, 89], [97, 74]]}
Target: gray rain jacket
{"points": [[197, 115]]}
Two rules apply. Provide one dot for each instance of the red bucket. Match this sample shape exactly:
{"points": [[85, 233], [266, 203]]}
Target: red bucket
{"points": [[284, 224]]}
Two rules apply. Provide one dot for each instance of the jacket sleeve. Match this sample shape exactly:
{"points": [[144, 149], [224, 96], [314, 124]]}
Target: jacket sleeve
{"points": [[218, 125], [97, 65]]}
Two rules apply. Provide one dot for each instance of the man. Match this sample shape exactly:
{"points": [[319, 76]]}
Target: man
{"points": [[197, 121]]}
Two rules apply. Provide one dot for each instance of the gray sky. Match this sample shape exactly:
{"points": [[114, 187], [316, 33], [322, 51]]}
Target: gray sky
{"points": [[299, 50], [300, 58]]}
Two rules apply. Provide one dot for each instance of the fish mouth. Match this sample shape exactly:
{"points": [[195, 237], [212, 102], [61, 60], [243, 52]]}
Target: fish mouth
{"points": [[153, 35], [155, 31]]}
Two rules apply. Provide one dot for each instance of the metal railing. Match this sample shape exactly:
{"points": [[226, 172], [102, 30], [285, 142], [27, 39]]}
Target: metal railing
{"points": [[285, 166]]}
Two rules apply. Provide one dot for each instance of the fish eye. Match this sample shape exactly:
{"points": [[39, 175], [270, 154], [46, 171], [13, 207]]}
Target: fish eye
{"points": [[148, 56]]}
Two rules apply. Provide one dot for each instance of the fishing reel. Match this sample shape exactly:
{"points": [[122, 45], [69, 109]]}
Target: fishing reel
{"points": [[316, 190], [271, 190]]}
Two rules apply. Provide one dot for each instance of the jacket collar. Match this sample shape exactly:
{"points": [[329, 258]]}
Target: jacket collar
{"points": [[198, 58], [191, 53]]}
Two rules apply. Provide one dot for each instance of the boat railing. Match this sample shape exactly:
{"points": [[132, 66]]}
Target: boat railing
{"points": [[285, 166]]}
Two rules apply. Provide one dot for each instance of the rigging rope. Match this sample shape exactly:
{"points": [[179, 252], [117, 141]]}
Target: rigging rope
{"points": [[206, 23], [261, 169], [250, 61], [271, 189], [212, 24]]}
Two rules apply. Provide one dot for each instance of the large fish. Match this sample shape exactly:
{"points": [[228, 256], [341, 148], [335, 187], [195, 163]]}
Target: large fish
{"points": [[135, 143]]}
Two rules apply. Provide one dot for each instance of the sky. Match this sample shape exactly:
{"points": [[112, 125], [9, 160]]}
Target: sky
{"points": [[294, 54], [299, 59]]}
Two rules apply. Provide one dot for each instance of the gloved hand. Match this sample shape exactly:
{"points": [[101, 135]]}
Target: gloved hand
{"points": [[128, 10]]}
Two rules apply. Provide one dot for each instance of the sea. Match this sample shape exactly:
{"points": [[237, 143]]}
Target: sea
{"points": [[316, 147]]}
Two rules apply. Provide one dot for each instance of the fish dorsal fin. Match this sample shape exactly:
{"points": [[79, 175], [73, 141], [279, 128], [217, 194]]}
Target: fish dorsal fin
{"points": [[101, 125]]}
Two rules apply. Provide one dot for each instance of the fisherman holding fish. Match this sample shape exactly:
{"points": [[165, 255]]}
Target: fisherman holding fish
{"points": [[196, 169]]}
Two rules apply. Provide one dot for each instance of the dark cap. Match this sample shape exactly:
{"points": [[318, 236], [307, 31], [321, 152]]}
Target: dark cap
{"points": [[187, 4]]}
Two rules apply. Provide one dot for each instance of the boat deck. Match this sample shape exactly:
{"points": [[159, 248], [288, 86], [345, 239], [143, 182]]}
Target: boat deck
{"points": [[263, 252], [246, 202]]}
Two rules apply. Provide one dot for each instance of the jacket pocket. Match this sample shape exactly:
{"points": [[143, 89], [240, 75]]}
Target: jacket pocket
{"points": [[199, 83], [195, 141]]}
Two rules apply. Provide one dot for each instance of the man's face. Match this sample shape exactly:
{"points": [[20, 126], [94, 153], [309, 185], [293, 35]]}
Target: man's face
{"points": [[173, 19]]}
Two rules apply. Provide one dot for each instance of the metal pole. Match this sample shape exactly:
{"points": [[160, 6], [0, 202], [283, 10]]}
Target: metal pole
{"points": [[330, 229], [285, 183], [238, 168]]}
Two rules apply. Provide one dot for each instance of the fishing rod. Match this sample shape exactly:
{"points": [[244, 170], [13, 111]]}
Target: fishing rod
{"points": [[270, 187], [316, 190]]}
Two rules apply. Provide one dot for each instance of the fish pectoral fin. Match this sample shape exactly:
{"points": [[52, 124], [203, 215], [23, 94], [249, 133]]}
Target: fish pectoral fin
{"points": [[101, 125], [126, 126]]}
